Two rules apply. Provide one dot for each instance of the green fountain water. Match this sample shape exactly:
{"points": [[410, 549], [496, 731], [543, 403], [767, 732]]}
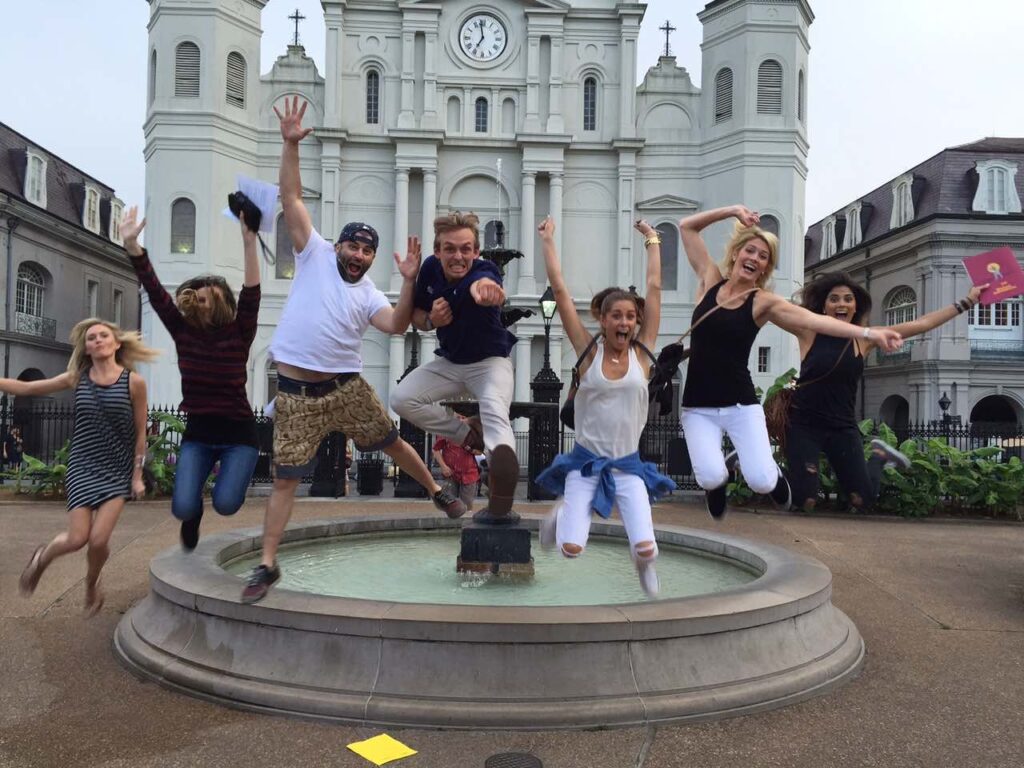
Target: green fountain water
{"points": [[420, 568]]}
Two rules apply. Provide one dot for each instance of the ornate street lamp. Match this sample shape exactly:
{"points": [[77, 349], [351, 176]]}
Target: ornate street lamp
{"points": [[546, 388], [944, 403]]}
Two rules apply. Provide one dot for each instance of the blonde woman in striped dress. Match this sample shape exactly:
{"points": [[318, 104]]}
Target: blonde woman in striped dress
{"points": [[108, 445]]}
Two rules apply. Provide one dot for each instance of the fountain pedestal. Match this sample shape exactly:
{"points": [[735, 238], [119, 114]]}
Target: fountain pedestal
{"points": [[496, 548]]}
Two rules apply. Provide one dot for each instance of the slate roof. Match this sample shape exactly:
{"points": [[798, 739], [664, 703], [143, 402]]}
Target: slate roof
{"points": [[943, 185], [65, 184]]}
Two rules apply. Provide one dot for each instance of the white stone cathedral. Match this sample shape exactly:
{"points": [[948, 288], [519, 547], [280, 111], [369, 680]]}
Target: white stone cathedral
{"points": [[420, 106]]}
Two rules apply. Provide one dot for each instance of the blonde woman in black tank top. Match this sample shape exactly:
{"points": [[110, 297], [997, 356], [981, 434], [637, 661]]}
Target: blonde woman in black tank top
{"points": [[718, 398], [822, 416]]}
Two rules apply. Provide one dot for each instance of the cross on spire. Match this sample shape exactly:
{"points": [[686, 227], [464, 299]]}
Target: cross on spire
{"points": [[297, 17], [668, 29]]}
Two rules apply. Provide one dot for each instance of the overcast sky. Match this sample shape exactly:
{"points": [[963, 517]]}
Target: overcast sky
{"points": [[890, 82]]}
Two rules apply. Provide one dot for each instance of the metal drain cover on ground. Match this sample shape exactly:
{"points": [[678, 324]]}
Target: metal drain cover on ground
{"points": [[513, 760]]}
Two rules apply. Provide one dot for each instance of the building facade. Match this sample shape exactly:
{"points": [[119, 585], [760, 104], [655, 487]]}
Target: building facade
{"points": [[62, 257], [513, 109], [905, 242]]}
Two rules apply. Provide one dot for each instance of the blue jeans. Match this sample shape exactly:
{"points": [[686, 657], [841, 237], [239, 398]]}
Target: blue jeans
{"points": [[195, 462]]}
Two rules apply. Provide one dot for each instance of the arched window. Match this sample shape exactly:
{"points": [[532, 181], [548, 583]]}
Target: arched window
{"points": [[723, 95], [481, 114], [800, 96], [590, 104], [669, 256], [508, 117], [454, 115], [186, 70], [235, 93], [997, 179], [284, 269], [183, 226], [373, 97], [901, 306], [769, 88], [152, 77], [770, 224], [902, 202], [29, 300]]}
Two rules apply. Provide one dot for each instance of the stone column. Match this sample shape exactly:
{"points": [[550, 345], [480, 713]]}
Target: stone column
{"points": [[531, 123], [406, 115], [430, 83], [523, 376], [556, 123], [527, 282], [627, 75], [396, 367], [333, 59], [429, 211], [401, 224], [624, 264], [556, 210], [330, 189]]}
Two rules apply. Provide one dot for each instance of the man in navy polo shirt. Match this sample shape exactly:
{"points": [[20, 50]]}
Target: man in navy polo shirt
{"points": [[460, 295]]}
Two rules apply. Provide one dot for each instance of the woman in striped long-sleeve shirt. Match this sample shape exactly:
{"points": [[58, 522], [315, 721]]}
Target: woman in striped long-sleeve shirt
{"points": [[212, 335]]}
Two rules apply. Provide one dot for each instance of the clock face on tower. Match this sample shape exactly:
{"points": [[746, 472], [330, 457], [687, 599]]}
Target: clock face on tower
{"points": [[482, 37]]}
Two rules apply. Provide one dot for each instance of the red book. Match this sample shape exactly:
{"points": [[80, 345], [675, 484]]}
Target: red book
{"points": [[1000, 269]]}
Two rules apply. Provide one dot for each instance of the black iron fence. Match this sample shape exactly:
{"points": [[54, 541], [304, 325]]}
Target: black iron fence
{"points": [[46, 427]]}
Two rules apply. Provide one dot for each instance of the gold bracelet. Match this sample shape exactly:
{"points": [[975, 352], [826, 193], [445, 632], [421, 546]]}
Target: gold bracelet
{"points": [[652, 240]]}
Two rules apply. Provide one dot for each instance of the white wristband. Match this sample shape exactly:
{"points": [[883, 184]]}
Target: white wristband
{"points": [[867, 333]]}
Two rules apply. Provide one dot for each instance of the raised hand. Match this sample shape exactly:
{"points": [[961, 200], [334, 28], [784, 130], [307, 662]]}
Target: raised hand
{"points": [[130, 229], [248, 236], [409, 267], [747, 217], [886, 338], [440, 313], [645, 229], [974, 295], [546, 229], [291, 122], [487, 293]]}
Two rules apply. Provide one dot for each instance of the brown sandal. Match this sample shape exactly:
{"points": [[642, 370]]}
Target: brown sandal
{"points": [[30, 576]]}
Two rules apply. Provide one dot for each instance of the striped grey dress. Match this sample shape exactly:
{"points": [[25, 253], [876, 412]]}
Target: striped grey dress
{"points": [[102, 443]]}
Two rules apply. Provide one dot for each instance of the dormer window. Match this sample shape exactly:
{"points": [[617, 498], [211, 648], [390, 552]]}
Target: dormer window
{"points": [[91, 210], [997, 191], [35, 179], [902, 201], [828, 238], [116, 214], [853, 227]]}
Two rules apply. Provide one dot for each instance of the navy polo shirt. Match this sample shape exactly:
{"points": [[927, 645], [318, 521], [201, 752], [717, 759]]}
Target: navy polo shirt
{"points": [[475, 333]]}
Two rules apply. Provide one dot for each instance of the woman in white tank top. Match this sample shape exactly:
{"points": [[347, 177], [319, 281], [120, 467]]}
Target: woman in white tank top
{"points": [[605, 469]]}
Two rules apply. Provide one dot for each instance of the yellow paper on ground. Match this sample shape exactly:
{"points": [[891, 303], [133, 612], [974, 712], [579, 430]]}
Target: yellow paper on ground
{"points": [[381, 749]]}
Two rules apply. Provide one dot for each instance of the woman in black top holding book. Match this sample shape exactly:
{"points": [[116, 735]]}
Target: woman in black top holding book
{"points": [[719, 396], [821, 415]]}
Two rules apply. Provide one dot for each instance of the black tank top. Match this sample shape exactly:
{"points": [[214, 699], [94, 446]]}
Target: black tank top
{"points": [[828, 401], [717, 375]]}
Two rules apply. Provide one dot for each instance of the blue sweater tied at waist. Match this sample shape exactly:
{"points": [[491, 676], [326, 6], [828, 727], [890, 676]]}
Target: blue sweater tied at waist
{"points": [[589, 464]]}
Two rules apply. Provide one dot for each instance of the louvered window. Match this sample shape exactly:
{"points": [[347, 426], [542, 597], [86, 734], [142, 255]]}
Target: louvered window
{"points": [[372, 97], [35, 180], [769, 88], [236, 80], [590, 104], [723, 96], [183, 226], [669, 256], [800, 97], [116, 214], [29, 298], [91, 214], [186, 70]]}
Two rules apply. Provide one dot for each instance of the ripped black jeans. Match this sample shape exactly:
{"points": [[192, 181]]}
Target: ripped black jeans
{"points": [[844, 449]]}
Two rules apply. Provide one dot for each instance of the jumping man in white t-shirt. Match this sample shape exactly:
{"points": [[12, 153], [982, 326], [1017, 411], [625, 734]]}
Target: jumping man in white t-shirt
{"points": [[317, 347]]}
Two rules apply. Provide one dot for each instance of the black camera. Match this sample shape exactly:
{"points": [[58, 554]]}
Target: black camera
{"points": [[240, 205]]}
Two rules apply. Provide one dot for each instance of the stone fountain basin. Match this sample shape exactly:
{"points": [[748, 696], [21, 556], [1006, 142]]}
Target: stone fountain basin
{"points": [[772, 642]]}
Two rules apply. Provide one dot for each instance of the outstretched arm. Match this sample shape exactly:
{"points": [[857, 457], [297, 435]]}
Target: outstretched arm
{"points": [[396, 319], [159, 298], [693, 243], [35, 388], [794, 318], [296, 217], [578, 335], [652, 298], [934, 319]]}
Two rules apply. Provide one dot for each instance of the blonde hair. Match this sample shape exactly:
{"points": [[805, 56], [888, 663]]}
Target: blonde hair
{"points": [[223, 306], [742, 235], [132, 349], [453, 221]]}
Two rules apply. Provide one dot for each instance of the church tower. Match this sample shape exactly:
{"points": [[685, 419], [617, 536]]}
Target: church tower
{"points": [[203, 106], [754, 113]]}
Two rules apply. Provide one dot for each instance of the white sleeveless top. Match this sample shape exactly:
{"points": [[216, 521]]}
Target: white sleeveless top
{"points": [[610, 415]]}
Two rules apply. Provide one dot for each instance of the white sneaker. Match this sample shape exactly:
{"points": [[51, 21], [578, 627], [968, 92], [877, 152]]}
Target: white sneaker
{"points": [[648, 577], [893, 458], [547, 532]]}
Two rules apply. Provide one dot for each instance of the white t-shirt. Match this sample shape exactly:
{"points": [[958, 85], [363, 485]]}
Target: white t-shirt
{"points": [[325, 317]]}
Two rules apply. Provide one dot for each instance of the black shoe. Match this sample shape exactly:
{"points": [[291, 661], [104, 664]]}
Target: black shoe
{"points": [[782, 495], [190, 532], [716, 500], [503, 476], [449, 503], [260, 581]]}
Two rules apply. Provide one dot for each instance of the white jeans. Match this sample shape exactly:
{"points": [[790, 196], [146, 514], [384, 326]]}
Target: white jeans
{"points": [[489, 381], [631, 498], [745, 426]]}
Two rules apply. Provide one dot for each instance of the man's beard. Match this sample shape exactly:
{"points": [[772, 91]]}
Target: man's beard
{"points": [[346, 275]]}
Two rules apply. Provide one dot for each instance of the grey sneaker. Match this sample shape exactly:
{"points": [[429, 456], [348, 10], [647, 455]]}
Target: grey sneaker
{"points": [[260, 581], [449, 503], [892, 457], [648, 577]]}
